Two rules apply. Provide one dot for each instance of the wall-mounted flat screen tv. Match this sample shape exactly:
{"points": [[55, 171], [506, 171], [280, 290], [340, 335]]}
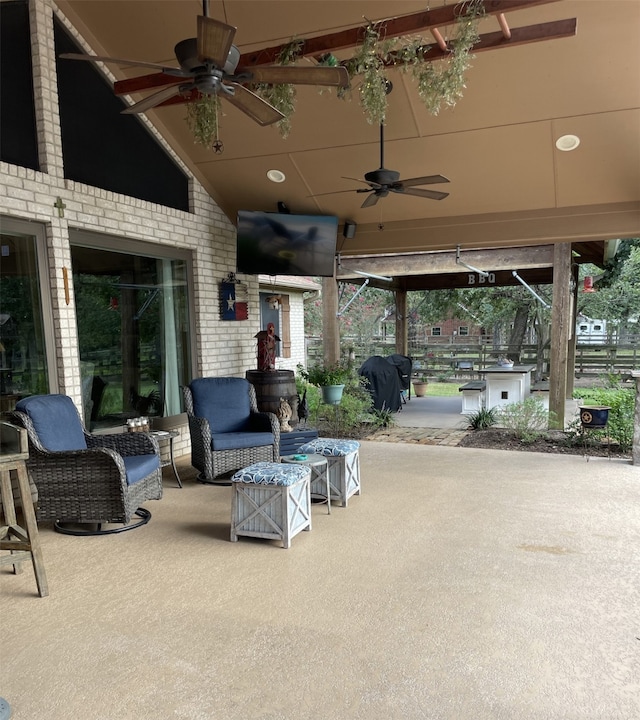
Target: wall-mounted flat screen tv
{"points": [[281, 244]]}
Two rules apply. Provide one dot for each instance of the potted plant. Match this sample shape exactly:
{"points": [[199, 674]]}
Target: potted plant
{"points": [[420, 386], [330, 379]]}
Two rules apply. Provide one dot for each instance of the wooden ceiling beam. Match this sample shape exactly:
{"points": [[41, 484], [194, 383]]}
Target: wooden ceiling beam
{"points": [[519, 36], [393, 27], [490, 41], [435, 263]]}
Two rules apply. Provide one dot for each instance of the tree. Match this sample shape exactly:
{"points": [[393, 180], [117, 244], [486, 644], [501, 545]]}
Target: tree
{"points": [[617, 295]]}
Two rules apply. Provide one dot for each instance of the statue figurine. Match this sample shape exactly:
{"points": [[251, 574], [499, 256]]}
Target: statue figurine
{"points": [[303, 407], [283, 414], [267, 348]]}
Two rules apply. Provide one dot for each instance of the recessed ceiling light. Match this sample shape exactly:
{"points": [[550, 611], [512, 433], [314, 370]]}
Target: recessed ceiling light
{"points": [[566, 143], [276, 176]]}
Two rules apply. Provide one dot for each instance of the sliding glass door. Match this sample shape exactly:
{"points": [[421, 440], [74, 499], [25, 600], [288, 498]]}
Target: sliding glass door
{"points": [[23, 348], [133, 328]]}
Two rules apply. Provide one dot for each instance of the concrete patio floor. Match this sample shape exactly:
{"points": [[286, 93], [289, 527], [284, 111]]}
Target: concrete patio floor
{"points": [[461, 584]]}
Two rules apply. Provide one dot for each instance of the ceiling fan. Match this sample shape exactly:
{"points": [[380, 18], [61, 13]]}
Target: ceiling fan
{"points": [[208, 65], [382, 181]]}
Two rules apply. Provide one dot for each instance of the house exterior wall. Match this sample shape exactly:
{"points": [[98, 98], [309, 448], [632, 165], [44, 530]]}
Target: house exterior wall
{"points": [[219, 347]]}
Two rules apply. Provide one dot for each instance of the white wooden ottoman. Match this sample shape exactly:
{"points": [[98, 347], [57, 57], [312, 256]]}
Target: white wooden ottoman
{"points": [[343, 467], [271, 500]]}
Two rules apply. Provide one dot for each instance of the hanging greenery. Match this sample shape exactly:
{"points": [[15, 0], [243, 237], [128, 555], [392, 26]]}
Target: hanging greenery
{"points": [[368, 62], [202, 119], [283, 96], [438, 82]]}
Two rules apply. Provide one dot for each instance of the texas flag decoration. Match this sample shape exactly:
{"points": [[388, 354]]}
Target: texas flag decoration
{"points": [[233, 301]]}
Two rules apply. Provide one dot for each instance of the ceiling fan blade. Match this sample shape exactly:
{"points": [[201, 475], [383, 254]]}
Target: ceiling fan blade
{"points": [[214, 40], [119, 61], [372, 185], [294, 75], [253, 105], [418, 192], [152, 100], [335, 192], [426, 180], [371, 200]]}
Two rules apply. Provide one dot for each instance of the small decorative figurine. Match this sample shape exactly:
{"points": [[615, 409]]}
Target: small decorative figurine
{"points": [[267, 348], [303, 407], [284, 415]]}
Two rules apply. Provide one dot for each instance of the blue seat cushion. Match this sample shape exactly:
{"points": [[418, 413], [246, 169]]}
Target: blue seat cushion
{"points": [[55, 420], [239, 440], [139, 466], [223, 401], [330, 447], [267, 473]]}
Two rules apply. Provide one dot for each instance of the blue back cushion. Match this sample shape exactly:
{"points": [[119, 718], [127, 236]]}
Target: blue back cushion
{"points": [[224, 402], [55, 420]]}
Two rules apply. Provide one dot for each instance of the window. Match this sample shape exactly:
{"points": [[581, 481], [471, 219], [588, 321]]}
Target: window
{"points": [[18, 139], [436, 331], [24, 361], [133, 329], [463, 330]]}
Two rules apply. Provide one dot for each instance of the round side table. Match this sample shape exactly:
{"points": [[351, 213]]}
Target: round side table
{"points": [[168, 436], [319, 470]]}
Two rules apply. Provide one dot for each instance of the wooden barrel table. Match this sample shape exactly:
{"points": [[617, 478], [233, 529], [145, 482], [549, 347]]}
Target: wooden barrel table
{"points": [[271, 385]]}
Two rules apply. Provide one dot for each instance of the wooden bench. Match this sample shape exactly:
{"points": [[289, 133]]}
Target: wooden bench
{"points": [[472, 396]]}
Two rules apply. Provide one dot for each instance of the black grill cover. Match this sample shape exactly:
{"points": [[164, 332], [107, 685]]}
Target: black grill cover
{"points": [[404, 365], [384, 383]]}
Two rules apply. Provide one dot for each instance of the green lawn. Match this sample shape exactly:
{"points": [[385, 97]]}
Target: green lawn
{"points": [[444, 389]]}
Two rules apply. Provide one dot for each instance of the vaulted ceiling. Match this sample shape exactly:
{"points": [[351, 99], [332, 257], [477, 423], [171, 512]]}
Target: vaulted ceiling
{"points": [[509, 184]]}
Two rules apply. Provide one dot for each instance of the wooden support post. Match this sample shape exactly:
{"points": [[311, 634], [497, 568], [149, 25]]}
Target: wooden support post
{"points": [[330, 325], [635, 453], [560, 319], [402, 338], [571, 347]]}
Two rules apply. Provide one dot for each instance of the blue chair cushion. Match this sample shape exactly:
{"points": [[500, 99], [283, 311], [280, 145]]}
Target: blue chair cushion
{"points": [[223, 401], [238, 440], [266, 473], [55, 420], [139, 466], [330, 447]]}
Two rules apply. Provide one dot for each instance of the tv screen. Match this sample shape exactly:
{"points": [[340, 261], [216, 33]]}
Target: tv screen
{"points": [[281, 244]]}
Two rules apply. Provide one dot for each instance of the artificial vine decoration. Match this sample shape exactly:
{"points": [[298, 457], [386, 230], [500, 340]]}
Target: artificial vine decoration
{"points": [[202, 119], [438, 82], [283, 96], [368, 62]]}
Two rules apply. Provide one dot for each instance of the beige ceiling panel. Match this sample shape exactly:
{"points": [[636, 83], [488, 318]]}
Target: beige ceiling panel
{"points": [[605, 167], [597, 70], [137, 29], [279, 21]]}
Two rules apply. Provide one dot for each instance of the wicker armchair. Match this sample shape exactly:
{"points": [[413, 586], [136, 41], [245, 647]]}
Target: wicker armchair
{"points": [[227, 430], [83, 478]]}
